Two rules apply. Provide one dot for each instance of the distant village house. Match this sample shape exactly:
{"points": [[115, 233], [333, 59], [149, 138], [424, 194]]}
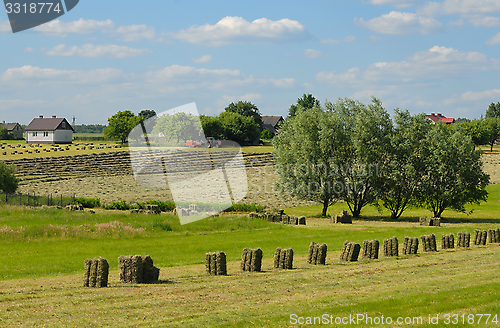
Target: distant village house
{"points": [[49, 130], [440, 117], [272, 123], [15, 128]]}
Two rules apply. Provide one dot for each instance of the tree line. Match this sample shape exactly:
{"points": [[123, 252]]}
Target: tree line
{"points": [[354, 152]]}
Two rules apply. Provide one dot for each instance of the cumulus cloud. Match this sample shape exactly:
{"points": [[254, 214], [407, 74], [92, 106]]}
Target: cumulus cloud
{"points": [[394, 3], [203, 59], [349, 38], [424, 67], [237, 30], [475, 96], [400, 23], [462, 7], [5, 27], [29, 49], [138, 32], [311, 53], [493, 40], [33, 74], [81, 26], [487, 21], [95, 51]]}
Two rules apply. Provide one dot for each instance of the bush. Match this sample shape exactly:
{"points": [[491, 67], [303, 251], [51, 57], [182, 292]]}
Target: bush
{"points": [[8, 181], [121, 205], [245, 208], [88, 202]]}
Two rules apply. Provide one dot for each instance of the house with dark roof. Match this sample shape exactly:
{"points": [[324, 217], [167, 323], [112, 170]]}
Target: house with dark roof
{"points": [[15, 128], [272, 123], [440, 117], [49, 130]]}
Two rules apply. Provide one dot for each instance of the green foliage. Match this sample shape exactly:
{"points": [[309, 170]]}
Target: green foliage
{"points": [[120, 125], [88, 202], [211, 126], [245, 208], [454, 175], [265, 134], [91, 128], [246, 108], [164, 206], [8, 180], [5, 134], [179, 126], [147, 113], [483, 132], [120, 205], [307, 101], [238, 128], [493, 110]]}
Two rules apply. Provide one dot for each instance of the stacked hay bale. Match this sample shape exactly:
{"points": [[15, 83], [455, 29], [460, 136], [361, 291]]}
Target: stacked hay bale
{"points": [[317, 254], [493, 236], [350, 251], [137, 269], [343, 217], [463, 239], [215, 263], [480, 237], [251, 260], [410, 246], [152, 209], [429, 243], [391, 246], [96, 273], [370, 249], [283, 258], [447, 241], [430, 222], [302, 220]]}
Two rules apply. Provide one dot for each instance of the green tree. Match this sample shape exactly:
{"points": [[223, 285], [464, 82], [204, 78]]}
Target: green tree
{"points": [[476, 129], [211, 126], [5, 134], [8, 180], [120, 125], [147, 113], [492, 130], [307, 101], [454, 174], [181, 125], [308, 151], [406, 163], [238, 127], [265, 134], [493, 110], [246, 108]]}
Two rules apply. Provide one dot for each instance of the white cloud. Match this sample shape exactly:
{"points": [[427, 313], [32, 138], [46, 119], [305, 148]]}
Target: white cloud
{"points": [[401, 23], [463, 7], [5, 27], [395, 3], [311, 53], [32, 74], [237, 30], [80, 26], [487, 21], [493, 40], [7, 104], [475, 96], [29, 49], [90, 50], [349, 38], [138, 32], [177, 71], [203, 59], [251, 97], [424, 67]]}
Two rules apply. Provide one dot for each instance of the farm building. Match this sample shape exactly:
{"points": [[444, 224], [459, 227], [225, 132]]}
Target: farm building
{"points": [[15, 128], [49, 130], [440, 117], [272, 123]]}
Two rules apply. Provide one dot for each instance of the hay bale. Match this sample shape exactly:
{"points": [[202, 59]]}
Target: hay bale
{"points": [[248, 260], [93, 273], [86, 272], [322, 249], [102, 273], [213, 264], [343, 217], [288, 264], [310, 252], [350, 252], [151, 273], [467, 239], [256, 264], [244, 259], [344, 250], [314, 259], [277, 255], [302, 220], [208, 259], [283, 258], [413, 245], [484, 236], [221, 267], [394, 246]]}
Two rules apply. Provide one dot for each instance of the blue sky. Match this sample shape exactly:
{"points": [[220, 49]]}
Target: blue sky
{"points": [[107, 56]]}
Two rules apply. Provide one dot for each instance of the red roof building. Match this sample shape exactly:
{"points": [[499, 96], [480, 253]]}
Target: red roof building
{"points": [[440, 117]]}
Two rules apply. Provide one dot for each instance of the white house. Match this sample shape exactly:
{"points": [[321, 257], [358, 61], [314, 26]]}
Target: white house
{"points": [[49, 130]]}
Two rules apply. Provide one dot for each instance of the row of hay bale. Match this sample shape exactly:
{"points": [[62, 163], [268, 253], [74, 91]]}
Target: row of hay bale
{"points": [[493, 236], [279, 216], [448, 241], [283, 258], [317, 254], [391, 247], [344, 217], [215, 263], [350, 251], [370, 250], [137, 269], [480, 237], [251, 260], [410, 246], [429, 243], [96, 273], [430, 222], [463, 239]]}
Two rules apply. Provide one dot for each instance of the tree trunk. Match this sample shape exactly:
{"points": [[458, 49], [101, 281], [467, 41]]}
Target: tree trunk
{"points": [[325, 208]]}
